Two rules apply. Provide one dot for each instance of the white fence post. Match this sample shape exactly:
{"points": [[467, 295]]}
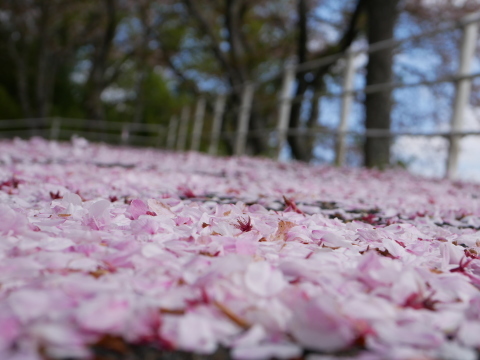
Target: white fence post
{"points": [[285, 105], [217, 124], [172, 130], [462, 93], [198, 124], [125, 134], [55, 129], [182, 133], [243, 119], [347, 99]]}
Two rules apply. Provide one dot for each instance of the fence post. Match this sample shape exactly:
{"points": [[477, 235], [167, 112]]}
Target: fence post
{"points": [[217, 124], [159, 135], [182, 133], [347, 99], [55, 129], [125, 134], [462, 92], [198, 124], [285, 105], [172, 130], [243, 119]]}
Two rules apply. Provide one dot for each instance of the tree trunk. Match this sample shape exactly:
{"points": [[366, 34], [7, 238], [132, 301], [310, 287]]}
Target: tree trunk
{"points": [[44, 60], [237, 52], [382, 16], [298, 146], [21, 60], [143, 68], [240, 74], [96, 80], [302, 149]]}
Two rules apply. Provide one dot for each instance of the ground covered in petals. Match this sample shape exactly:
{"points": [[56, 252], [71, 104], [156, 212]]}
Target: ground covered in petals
{"points": [[120, 253]]}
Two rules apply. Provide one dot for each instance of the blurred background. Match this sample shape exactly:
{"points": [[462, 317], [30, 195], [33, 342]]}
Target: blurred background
{"points": [[150, 72]]}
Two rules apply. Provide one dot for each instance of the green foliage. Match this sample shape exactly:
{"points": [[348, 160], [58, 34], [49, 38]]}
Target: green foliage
{"points": [[160, 103], [66, 95]]}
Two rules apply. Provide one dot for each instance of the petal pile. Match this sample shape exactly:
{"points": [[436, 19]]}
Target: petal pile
{"points": [[104, 245]]}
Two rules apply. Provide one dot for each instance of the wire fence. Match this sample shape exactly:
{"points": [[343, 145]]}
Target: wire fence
{"points": [[188, 129]]}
